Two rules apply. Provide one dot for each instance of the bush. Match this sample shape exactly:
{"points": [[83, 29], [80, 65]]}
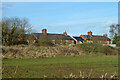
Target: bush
{"points": [[97, 48], [44, 41], [118, 43]]}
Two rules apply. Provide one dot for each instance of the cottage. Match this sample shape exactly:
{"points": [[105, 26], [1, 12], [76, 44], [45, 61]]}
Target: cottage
{"points": [[96, 38], [62, 39]]}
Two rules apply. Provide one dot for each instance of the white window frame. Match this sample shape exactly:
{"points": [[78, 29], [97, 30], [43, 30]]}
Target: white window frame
{"points": [[53, 41], [66, 41]]}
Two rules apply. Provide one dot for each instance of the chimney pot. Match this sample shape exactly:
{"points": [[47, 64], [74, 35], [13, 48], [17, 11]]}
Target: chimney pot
{"points": [[44, 31], [90, 33], [65, 33], [105, 35]]}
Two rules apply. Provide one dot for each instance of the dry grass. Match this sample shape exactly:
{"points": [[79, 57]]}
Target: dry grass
{"points": [[28, 51], [25, 51], [82, 76]]}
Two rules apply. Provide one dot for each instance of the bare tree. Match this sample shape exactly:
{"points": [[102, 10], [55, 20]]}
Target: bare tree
{"points": [[12, 29], [118, 29], [114, 28]]}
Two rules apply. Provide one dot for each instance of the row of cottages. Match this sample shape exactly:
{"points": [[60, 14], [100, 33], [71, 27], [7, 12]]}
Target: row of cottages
{"points": [[62, 39], [90, 38], [65, 39]]}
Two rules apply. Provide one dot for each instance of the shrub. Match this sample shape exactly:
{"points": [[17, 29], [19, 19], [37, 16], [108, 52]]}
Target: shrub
{"points": [[85, 41], [44, 41], [118, 43], [97, 48]]}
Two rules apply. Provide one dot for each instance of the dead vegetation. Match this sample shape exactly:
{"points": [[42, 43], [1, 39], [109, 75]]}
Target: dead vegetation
{"points": [[29, 51], [25, 51]]}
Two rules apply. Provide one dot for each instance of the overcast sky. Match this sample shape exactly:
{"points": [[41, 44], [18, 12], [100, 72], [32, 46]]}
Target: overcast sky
{"points": [[74, 17]]}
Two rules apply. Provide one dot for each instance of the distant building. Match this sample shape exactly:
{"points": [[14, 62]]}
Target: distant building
{"points": [[57, 39], [96, 38], [64, 39]]}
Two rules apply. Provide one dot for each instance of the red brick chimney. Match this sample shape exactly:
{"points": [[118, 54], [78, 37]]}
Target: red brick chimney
{"points": [[65, 33], [105, 35], [44, 31], [90, 33]]}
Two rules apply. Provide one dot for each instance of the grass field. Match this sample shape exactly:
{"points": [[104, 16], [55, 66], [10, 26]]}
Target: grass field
{"points": [[60, 66]]}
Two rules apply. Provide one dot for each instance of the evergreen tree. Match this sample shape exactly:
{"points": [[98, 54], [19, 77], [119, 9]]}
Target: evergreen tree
{"points": [[115, 39]]}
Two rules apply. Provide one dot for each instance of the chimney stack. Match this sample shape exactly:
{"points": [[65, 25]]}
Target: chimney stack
{"points": [[90, 33], [65, 33], [44, 31], [105, 35]]}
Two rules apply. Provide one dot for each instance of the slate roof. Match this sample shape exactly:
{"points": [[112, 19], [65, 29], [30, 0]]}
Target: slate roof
{"points": [[97, 37], [52, 36], [87, 36], [27, 36], [79, 38]]}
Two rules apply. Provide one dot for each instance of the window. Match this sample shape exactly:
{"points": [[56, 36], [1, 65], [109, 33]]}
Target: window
{"points": [[34, 41], [27, 41], [90, 41], [107, 42], [72, 41], [53, 41], [61, 41], [66, 41]]}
